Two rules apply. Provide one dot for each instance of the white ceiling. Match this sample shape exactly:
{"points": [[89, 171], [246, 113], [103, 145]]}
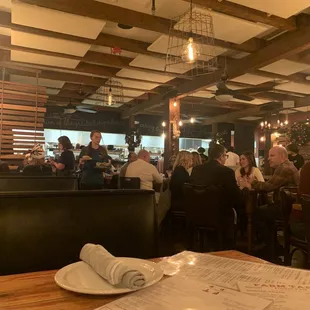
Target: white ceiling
{"points": [[202, 94], [43, 59], [251, 79], [228, 28], [285, 67], [5, 5], [138, 85], [295, 87], [154, 77], [27, 15], [282, 8], [48, 44], [155, 63], [5, 31], [31, 80], [255, 101], [134, 33]]}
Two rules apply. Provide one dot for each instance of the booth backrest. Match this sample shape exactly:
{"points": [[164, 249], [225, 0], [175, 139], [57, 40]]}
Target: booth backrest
{"points": [[18, 183], [46, 230]]}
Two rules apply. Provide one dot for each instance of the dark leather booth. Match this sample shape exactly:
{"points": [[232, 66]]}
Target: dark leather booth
{"points": [[46, 230], [18, 183]]}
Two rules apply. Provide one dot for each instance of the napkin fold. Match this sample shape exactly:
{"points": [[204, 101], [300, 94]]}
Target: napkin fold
{"points": [[110, 268]]}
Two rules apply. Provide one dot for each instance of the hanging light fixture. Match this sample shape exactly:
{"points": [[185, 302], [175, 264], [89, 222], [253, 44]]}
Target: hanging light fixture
{"points": [[110, 97], [111, 94], [191, 48]]}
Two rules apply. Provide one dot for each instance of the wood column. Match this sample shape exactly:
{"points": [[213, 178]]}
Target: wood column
{"points": [[172, 129]]}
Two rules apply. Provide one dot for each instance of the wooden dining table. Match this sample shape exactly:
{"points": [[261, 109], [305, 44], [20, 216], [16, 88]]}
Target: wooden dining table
{"points": [[38, 290]]}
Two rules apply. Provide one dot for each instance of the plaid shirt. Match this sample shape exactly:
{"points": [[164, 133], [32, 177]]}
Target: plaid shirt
{"points": [[284, 175]]}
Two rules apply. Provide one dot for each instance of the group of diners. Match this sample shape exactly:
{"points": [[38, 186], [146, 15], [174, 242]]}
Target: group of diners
{"points": [[243, 177]]}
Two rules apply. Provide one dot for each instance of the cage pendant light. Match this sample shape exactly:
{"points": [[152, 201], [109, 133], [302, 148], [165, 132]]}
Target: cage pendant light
{"points": [[111, 94], [191, 47]]}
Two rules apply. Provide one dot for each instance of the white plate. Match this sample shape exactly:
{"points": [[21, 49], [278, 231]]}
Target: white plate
{"points": [[81, 278]]}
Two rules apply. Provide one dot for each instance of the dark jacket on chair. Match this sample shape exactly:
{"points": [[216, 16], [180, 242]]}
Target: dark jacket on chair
{"points": [[213, 173]]}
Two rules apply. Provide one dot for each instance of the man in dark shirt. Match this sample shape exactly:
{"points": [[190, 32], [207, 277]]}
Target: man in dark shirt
{"points": [[215, 173], [294, 156]]}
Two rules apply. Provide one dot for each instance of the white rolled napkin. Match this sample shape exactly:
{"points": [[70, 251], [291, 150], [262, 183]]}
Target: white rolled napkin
{"points": [[110, 268]]}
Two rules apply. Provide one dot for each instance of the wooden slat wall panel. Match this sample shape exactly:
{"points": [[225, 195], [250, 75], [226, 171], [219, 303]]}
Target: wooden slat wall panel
{"points": [[22, 109]]}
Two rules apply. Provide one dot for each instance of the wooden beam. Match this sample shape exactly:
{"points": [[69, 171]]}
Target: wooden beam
{"points": [[78, 79], [103, 11], [257, 110], [244, 12]]}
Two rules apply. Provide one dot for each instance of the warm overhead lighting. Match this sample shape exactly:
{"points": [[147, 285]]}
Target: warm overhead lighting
{"points": [[180, 123], [110, 97], [190, 53], [175, 103], [192, 120], [224, 97], [262, 139], [163, 124]]}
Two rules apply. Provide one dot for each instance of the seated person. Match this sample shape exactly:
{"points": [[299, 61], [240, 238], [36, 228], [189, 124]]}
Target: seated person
{"points": [[179, 177], [132, 156], [248, 169], [285, 174], [215, 173], [36, 165], [141, 168]]}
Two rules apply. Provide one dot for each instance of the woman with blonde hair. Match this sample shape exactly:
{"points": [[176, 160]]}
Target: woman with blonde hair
{"points": [[180, 176]]}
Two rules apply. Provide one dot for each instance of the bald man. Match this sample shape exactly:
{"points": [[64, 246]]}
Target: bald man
{"points": [[141, 168], [285, 173]]}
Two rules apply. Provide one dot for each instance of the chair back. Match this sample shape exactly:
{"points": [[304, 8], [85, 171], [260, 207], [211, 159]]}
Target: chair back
{"points": [[305, 203], [288, 196], [129, 183], [202, 205]]}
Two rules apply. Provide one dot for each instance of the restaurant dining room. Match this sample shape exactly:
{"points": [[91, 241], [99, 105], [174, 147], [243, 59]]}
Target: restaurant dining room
{"points": [[154, 154]]}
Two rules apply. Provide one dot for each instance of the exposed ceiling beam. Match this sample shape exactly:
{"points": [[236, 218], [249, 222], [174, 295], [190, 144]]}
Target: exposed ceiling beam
{"points": [[103, 11], [258, 110], [288, 44], [78, 79], [244, 12]]}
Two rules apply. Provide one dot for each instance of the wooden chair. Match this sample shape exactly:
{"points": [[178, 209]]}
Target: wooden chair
{"points": [[129, 183], [205, 214], [288, 197]]}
